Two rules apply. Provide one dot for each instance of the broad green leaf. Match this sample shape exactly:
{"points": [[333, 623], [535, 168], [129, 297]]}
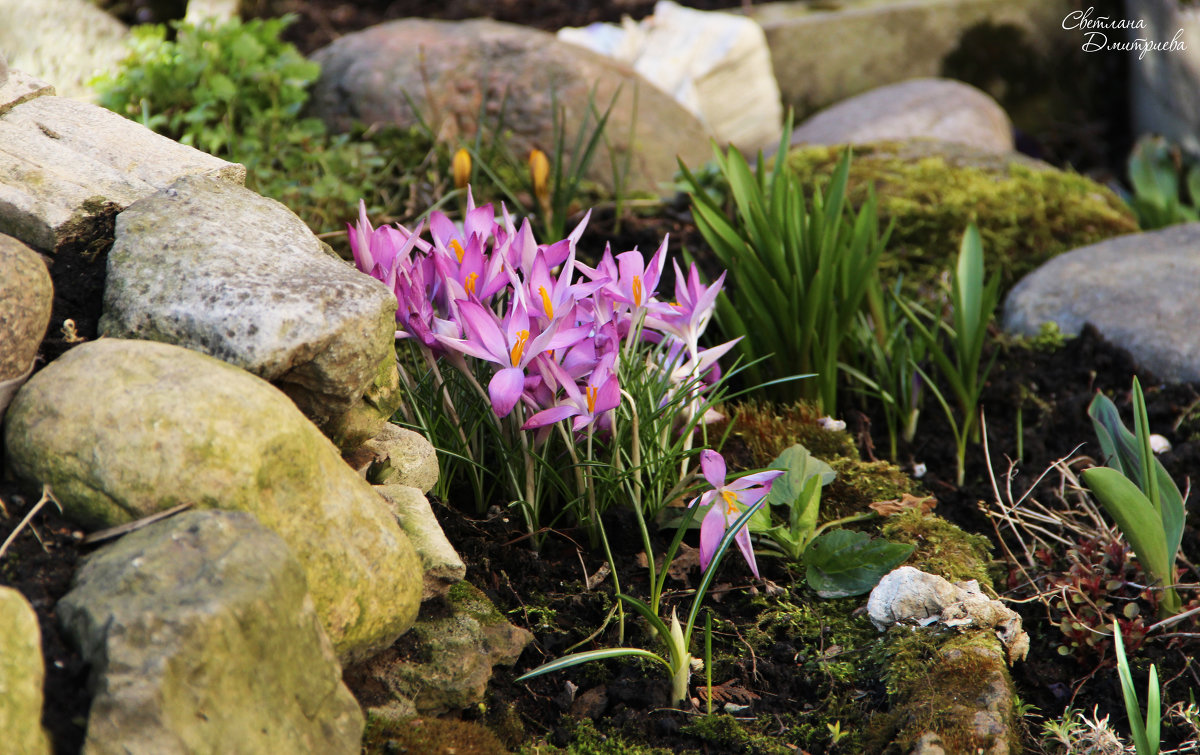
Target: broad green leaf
{"points": [[1139, 522], [842, 563], [1123, 452]]}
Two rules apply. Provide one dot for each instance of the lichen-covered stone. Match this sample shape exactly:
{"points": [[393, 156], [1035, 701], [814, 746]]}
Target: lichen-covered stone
{"points": [[1027, 212], [202, 637], [398, 456], [214, 267], [21, 674], [458, 643], [122, 429], [442, 564]]}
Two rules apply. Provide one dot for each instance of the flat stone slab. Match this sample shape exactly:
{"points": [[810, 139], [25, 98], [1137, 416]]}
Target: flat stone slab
{"points": [[1139, 291], [64, 163]]}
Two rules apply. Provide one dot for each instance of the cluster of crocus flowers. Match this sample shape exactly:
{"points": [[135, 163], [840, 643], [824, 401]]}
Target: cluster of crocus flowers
{"points": [[551, 327], [553, 331]]}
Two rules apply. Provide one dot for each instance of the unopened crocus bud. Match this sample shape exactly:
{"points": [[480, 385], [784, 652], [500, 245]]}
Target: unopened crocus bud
{"points": [[461, 166], [539, 172]]}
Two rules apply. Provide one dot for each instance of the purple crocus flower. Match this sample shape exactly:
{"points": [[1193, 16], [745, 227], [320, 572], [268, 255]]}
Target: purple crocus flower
{"points": [[509, 344], [727, 501], [601, 393]]}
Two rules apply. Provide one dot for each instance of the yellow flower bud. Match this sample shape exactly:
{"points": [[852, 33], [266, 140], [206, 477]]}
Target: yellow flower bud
{"points": [[462, 168], [539, 171]]}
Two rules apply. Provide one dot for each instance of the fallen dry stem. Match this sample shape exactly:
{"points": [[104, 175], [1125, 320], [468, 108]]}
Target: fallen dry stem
{"points": [[47, 496]]}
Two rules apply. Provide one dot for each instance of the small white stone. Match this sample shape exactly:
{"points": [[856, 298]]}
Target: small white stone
{"points": [[919, 470], [1159, 444], [829, 423]]}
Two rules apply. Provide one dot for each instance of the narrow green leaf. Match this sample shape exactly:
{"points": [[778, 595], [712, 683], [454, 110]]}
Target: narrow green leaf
{"points": [[592, 655]]}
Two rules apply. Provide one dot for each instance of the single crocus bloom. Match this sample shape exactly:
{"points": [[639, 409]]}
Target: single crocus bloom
{"points": [[728, 501]]}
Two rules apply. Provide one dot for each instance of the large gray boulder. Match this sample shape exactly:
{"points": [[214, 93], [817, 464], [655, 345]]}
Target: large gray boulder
{"points": [[202, 637], [940, 109], [1138, 290], [26, 297], [123, 429], [21, 673], [66, 165], [448, 68], [214, 267]]}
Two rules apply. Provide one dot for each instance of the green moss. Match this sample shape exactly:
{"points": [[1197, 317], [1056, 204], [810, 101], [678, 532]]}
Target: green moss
{"points": [[860, 483], [730, 735], [429, 736], [585, 739], [1027, 212], [466, 598], [942, 548], [762, 430], [941, 682]]}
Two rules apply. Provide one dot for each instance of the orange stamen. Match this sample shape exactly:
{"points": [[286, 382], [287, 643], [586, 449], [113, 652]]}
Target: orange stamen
{"points": [[546, 305], [591, 398], [518, 348], [637, 290], [731, 501], [471, 278], [458, 248]]}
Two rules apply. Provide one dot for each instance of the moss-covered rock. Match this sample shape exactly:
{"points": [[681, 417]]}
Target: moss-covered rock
{"points": [[1026, 210], [762, 430]]}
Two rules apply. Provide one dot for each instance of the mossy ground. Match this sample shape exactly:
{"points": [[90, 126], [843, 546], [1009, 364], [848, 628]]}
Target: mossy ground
{"points": [[1027, 212]]}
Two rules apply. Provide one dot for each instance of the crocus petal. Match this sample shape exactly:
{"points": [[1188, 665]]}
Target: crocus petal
{"points": [[550, 416], [742, 538], [505, 388], [712, 529], [757, 478], [713, 466]]}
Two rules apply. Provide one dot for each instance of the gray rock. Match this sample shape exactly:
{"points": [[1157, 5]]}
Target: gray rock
{"points": [[202, 638], [3, 69], [21, 674], [827, 52], [442, 564], [397, 456], [448, 68], [26, 296], [1137, 290], [123, 429], [18, 87], [215, 267], [66, 42], [941, 109], [65, 164], [459, 643], [1164, 86]]}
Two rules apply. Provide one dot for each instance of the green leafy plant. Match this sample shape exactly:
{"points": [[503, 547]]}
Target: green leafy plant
{"points": [[888, 356], [959, 360], [1156, 170], [1145, 733], [800, 271], [676, 637], [237, 91], [1137, 492], [838, 562]]}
